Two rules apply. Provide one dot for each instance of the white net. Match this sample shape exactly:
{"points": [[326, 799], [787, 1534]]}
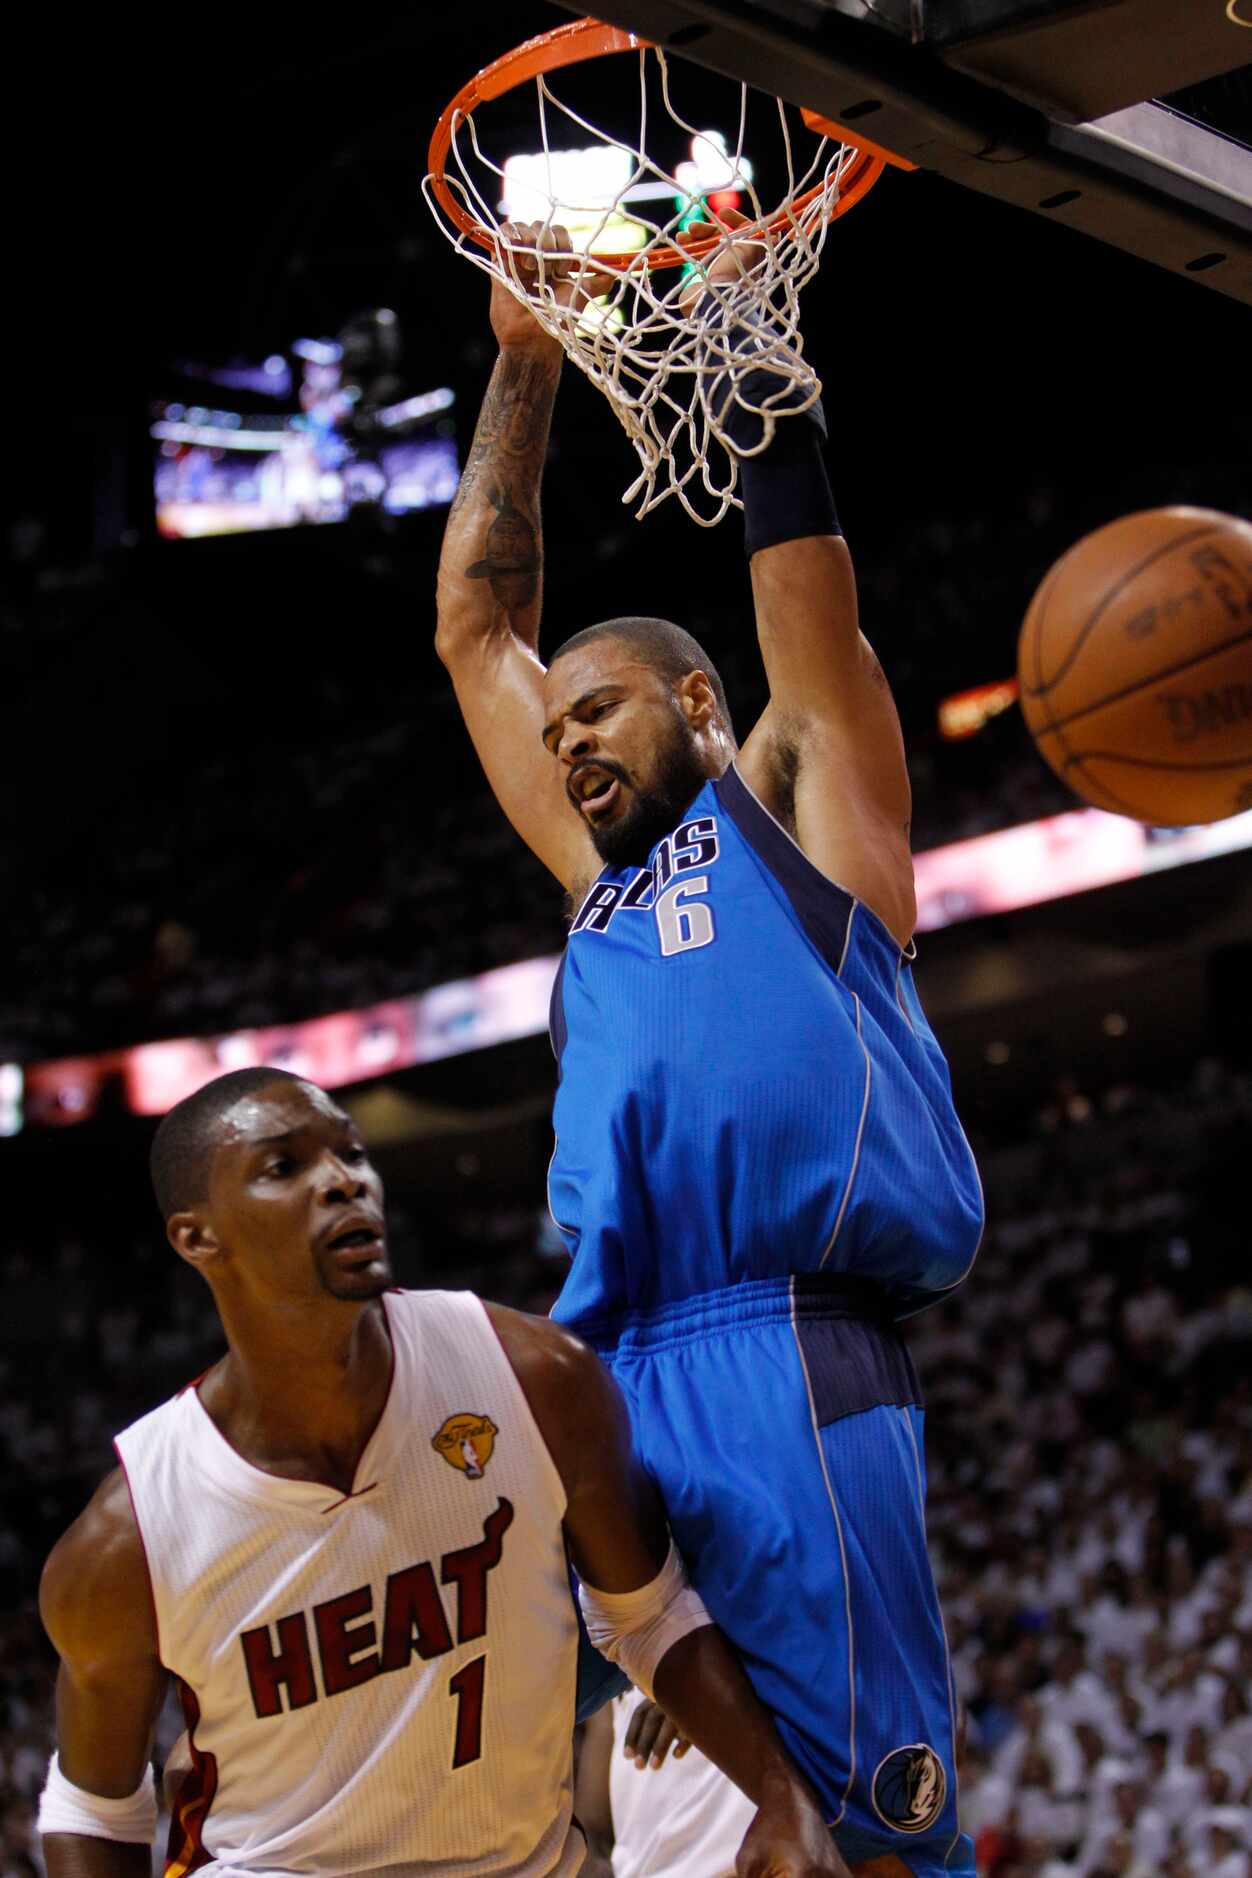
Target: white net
{"points": [[629, 306]]}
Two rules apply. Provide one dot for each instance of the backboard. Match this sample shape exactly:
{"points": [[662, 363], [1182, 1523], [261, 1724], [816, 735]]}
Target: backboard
{"points": [[1131, 121]]}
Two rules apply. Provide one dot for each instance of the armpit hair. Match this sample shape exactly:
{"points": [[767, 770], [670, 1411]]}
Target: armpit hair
{"points": [[786, 767]]}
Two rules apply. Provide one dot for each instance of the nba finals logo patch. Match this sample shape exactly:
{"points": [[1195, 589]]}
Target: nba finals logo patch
{"points": [[466, 1441], [910, 1787]]}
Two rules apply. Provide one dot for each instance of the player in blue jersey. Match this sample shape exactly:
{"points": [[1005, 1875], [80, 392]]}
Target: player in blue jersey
{"points": [[758, 1168]]}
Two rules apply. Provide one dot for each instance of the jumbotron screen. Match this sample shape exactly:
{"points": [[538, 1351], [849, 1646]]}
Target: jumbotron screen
{"points": [[329, 453]]}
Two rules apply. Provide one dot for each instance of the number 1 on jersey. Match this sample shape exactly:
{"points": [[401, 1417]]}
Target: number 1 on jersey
{"points": [[467, 1687]]}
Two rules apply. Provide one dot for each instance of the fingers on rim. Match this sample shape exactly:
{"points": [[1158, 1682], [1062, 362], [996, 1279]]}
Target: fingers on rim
{"points": [[722, 222]]}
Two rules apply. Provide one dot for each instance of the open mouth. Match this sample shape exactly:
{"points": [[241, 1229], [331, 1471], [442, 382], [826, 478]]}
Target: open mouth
{"points": [[593, 789], [358, 1239]]}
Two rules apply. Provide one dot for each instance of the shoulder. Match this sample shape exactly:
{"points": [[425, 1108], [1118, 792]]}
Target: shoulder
{"points": [[571, 1395], [545, 1357], [95, 1586]]}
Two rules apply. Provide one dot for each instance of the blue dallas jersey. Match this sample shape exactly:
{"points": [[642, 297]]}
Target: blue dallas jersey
{"points": [[749, 1087]]}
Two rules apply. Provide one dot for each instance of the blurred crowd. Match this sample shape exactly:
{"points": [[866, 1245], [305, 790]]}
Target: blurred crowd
{"points": [[1090, 1466], [1089, 1453], [391, 888]]}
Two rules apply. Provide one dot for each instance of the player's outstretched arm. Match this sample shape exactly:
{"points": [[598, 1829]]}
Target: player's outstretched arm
{"points": [[615, 1526], [827, 756], [96, 1817], [830, 738], [490, 585]]}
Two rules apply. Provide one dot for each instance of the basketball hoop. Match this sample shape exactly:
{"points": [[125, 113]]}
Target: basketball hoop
{"points": [[671, 371]]}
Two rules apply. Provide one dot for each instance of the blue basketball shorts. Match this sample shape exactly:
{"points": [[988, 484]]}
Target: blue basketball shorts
{"points": [[782, 1424]]}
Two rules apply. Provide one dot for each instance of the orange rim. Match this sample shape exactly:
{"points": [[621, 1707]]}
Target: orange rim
{"points": [[571, 44]]}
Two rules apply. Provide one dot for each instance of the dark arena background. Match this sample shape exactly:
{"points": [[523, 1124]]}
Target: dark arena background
{"points": [[237, 798]]}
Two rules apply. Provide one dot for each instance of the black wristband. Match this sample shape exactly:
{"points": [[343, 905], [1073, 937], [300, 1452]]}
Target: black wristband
{"points": [[786, 491]]}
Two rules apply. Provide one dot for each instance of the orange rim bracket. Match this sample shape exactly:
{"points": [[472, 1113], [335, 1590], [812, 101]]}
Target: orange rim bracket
{"points": [[828, 127]]}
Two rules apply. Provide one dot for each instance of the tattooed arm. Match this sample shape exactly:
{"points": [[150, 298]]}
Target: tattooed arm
{"points": [[490, 587], [491, 567]]}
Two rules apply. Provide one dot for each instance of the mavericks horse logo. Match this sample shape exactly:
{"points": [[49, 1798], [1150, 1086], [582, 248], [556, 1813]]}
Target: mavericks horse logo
{"points": [[466, 1442], [910, 1787]]}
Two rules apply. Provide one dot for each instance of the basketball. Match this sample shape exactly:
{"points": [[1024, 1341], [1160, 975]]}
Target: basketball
{"points": [[1135, 666]]}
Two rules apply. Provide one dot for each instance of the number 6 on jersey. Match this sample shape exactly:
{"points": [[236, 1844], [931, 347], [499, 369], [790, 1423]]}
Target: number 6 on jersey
{"points": [[680, 926]]}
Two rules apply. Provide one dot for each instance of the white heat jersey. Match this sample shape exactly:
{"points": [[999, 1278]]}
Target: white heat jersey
{"points": [[380, 1682], [683, 1819]]}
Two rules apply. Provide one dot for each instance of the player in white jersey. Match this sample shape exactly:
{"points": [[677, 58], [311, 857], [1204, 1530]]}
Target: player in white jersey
{"points": [[347, 1545], [663, 1815]]}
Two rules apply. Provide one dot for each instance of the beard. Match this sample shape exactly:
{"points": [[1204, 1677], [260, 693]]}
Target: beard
{"points": [[629, 838]]}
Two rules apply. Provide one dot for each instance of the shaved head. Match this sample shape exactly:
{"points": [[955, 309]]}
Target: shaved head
{"points": [[668, 649]]}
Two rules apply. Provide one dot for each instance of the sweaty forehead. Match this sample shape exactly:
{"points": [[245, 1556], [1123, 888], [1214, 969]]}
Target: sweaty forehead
{"points": [[603, 662], [278, 1109]]}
